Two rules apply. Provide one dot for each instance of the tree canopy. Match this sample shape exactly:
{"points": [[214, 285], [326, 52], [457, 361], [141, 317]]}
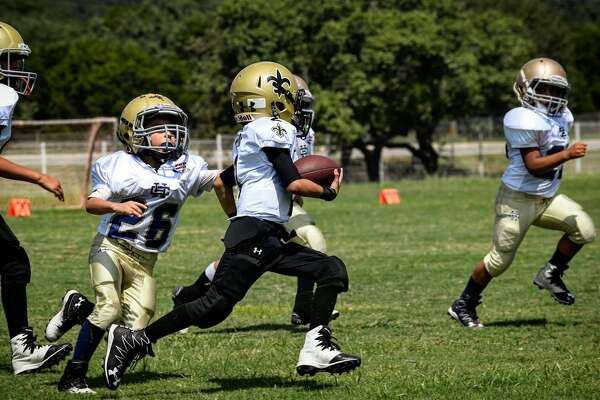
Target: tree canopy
{"points": [[380, 69]]}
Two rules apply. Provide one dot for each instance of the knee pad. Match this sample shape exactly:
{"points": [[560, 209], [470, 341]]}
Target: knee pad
{"points": [[585, 230], [210, 309], [496, 261], [17, 269], [333, 273], [313, 237]]}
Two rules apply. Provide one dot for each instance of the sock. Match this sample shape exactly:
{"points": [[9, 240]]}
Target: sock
{"points": [[304, 297], [560, 260], [172, 322], [88, 340], [198, 288], [473, 289], [323, 305], [14, 301]]}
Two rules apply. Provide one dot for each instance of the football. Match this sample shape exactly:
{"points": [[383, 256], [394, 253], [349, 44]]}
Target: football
{"points": [[318, 169]]}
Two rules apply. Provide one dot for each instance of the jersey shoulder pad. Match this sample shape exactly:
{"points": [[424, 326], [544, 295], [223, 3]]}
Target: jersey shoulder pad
{"points": [[195, 161], [522, 118], [8, 96], [568, 116], [274, 130]]}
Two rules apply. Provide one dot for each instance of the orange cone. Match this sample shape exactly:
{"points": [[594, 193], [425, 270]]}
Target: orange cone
{"points": [[19, 208], [389, 196]]}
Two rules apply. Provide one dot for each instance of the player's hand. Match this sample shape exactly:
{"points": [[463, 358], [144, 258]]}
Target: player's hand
{"points": [[132, 208], [337, 180], [577, 150], [52, 185]]}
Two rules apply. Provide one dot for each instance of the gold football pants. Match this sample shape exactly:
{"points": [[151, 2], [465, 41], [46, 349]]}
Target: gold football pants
{"points": [[517, 211], [123, 283], [307, 233]]}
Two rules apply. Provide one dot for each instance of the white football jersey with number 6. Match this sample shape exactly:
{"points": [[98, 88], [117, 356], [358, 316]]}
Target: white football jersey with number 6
{"points": [[121, 177], [8, 101]]}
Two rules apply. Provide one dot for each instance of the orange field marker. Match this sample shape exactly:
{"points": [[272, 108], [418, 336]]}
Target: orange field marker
{"points": [[389, 196], [19, 208]]}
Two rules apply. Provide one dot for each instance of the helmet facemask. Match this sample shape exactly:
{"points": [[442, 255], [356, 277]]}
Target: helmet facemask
{"points": [[176, 137], [12, 67], [304, 114], [548, 95]]}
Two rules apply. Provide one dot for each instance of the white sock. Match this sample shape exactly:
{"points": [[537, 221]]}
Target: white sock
{"points": [[210, 271]]}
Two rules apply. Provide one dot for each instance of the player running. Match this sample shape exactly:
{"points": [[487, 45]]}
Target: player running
{"points": [[139, 193]]}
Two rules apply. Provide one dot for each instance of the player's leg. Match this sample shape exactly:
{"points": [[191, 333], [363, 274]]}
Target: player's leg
{"points": [[319, 353], [515, 212], [106, 275], [185, 294], [15, 274], [138, 299], [565, 215], [75, 308], [307, 234], [249, 249]]}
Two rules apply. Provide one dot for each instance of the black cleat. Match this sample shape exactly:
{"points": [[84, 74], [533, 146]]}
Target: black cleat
{"points": [[73, 379], [124, 348], [550, 278], [321, 354], [464, 311], [74, 310]]}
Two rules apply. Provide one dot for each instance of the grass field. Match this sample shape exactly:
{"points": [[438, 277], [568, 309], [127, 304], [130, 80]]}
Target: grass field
{"points": [[406, 265]]}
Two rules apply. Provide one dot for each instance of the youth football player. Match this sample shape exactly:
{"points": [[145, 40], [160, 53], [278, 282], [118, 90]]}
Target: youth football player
{"points": [[15, 272], [266, 101], [139, 193], [537, 135], [300, 222]]}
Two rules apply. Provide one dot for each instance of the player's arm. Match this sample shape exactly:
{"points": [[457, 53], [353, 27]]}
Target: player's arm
{"points": [[537, 164], [288, 173], [99, 206], [223, 185], [10, 170]]}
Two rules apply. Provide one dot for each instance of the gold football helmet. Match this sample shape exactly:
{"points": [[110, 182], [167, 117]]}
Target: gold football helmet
{"points": [[542, 84], [267, 89], [136, 127], [13, 52]]}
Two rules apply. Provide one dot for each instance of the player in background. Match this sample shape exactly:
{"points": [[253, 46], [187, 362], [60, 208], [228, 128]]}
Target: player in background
{"points": [[15, 271], [306, 233], [139, 193], [266, 101], [537, 135]]}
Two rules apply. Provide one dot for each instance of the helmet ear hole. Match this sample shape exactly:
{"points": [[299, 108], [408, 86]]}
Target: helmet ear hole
{"points": [[280, 106]]}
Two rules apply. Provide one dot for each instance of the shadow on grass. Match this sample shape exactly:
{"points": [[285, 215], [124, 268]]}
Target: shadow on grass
{"points": [[135, 377], [254, 328], [518, 322], [233, 384]]}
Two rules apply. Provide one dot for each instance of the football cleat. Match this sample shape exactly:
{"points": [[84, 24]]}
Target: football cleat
{"points": [[297, 319], [124, 348], [74, 310], [464, 311], [549, 278], [73, 379], [321, 354], [28, 356]]}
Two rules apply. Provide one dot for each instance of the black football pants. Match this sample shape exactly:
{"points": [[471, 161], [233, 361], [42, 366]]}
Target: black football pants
{"points": [[253, 247]]}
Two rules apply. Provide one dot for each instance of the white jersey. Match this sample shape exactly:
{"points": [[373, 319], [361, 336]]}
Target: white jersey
{"points": [[121, 177], [262, 194], [8, 101], [305, 146], [525, 128]]}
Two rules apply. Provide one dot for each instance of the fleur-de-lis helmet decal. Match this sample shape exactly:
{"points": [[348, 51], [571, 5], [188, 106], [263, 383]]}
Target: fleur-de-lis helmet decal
{"points": [[278, 82]]}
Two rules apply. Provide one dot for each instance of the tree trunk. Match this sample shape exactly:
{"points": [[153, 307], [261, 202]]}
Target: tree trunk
{"points": [[372, 155], [426, 153]]}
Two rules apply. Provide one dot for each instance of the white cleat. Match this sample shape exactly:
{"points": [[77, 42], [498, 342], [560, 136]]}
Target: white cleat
{"points": [[321, 354], [28, 356]]}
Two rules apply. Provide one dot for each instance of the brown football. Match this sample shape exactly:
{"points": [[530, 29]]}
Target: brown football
{"points": [[318, 169]]}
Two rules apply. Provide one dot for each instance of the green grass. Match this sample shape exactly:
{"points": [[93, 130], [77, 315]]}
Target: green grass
{"points": [[406, 265]]}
